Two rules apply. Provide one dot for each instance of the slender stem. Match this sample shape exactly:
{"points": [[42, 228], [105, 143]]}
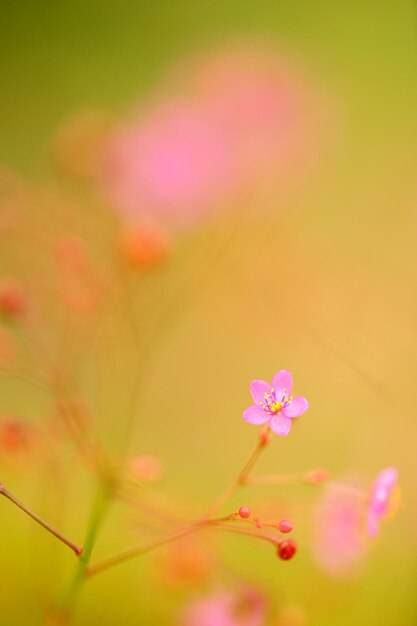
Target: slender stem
{"points": [[248, 533], [135, 551], [68, 601], [349, 489], [243, 476], [279, 479], [4, 492], [131, 553]]}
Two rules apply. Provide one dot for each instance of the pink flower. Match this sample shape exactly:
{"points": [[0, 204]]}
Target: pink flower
{"points": [[274, 404], [380, 498], [227, 608], [261, 102], [172, 163], [339, 541]]}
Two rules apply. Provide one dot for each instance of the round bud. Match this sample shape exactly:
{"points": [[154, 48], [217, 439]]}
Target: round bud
{"points": [[144, 245], [244, 512], [263, 438], [285, 526], [287, 549], [316, 477], [12, 300]]}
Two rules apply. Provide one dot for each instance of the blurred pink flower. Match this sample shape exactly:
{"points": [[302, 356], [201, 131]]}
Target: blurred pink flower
{"points": [[262, 102], [237, 119], [274, 404], [339, 539], [227, 608], [173, 163], [380, 498]]}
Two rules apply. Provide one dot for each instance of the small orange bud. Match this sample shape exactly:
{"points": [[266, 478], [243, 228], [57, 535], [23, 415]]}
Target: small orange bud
{"points": [[263, 438], [146, 468], [144, 245], [12, 300], [316, 477]]}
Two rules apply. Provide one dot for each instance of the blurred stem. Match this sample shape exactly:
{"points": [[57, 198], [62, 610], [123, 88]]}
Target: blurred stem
{"points": [[130, 553], [67, 605], [243, 476], [277, 479], [4, 492], [314, 478], [349, 490]]}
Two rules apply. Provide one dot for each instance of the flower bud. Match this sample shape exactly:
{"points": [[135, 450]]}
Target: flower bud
{"points": [[12, 300], [244, 512], [316, 477], [287, 549], [144, 245], [285, 526]]}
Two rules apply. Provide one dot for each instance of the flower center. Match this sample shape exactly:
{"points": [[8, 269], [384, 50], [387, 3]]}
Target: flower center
{"points": [[275, 407], [273, 404]]}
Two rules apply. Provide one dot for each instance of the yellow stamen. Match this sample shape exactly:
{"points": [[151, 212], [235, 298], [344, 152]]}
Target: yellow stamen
{"points": [[276, 407]]}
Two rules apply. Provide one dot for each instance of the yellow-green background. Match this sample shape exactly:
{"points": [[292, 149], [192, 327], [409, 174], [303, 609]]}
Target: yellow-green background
{"points": [[324, 287]]}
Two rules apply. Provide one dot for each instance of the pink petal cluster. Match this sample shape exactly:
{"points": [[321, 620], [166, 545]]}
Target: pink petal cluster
{"points": [[338, 539], [274, 404], [261, 102], [380, 498], [172, 163], [236, 119], [227, 608]]}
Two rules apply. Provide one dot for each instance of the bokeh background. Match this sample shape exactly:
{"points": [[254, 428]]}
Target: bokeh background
{"points": [[314, 272]]}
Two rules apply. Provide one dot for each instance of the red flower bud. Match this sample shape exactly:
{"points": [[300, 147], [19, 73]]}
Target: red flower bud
{"points": [[287, 549], [12, 300]]}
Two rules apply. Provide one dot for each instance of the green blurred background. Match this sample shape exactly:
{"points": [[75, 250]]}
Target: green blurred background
{"points": [[326, 287]]}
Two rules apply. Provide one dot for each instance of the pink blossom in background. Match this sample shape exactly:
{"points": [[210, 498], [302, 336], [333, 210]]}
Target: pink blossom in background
{"points": [[172, 162], [261, 102], [339, 539], [381, 498], [274, 404], [227, 608], [234, 120]]}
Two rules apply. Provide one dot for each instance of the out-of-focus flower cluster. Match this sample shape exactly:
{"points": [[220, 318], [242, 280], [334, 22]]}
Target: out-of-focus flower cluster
{"points": [[229, 126]]}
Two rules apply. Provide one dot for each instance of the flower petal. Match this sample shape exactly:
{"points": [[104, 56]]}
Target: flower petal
{"points": [[388, 477], [372, 525], [255, 415], [280, 424], [282, 384], [258, 389], [296, 407]]}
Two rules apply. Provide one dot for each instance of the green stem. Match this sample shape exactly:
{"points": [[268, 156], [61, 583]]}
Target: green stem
{"points": [[69, 599]]}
